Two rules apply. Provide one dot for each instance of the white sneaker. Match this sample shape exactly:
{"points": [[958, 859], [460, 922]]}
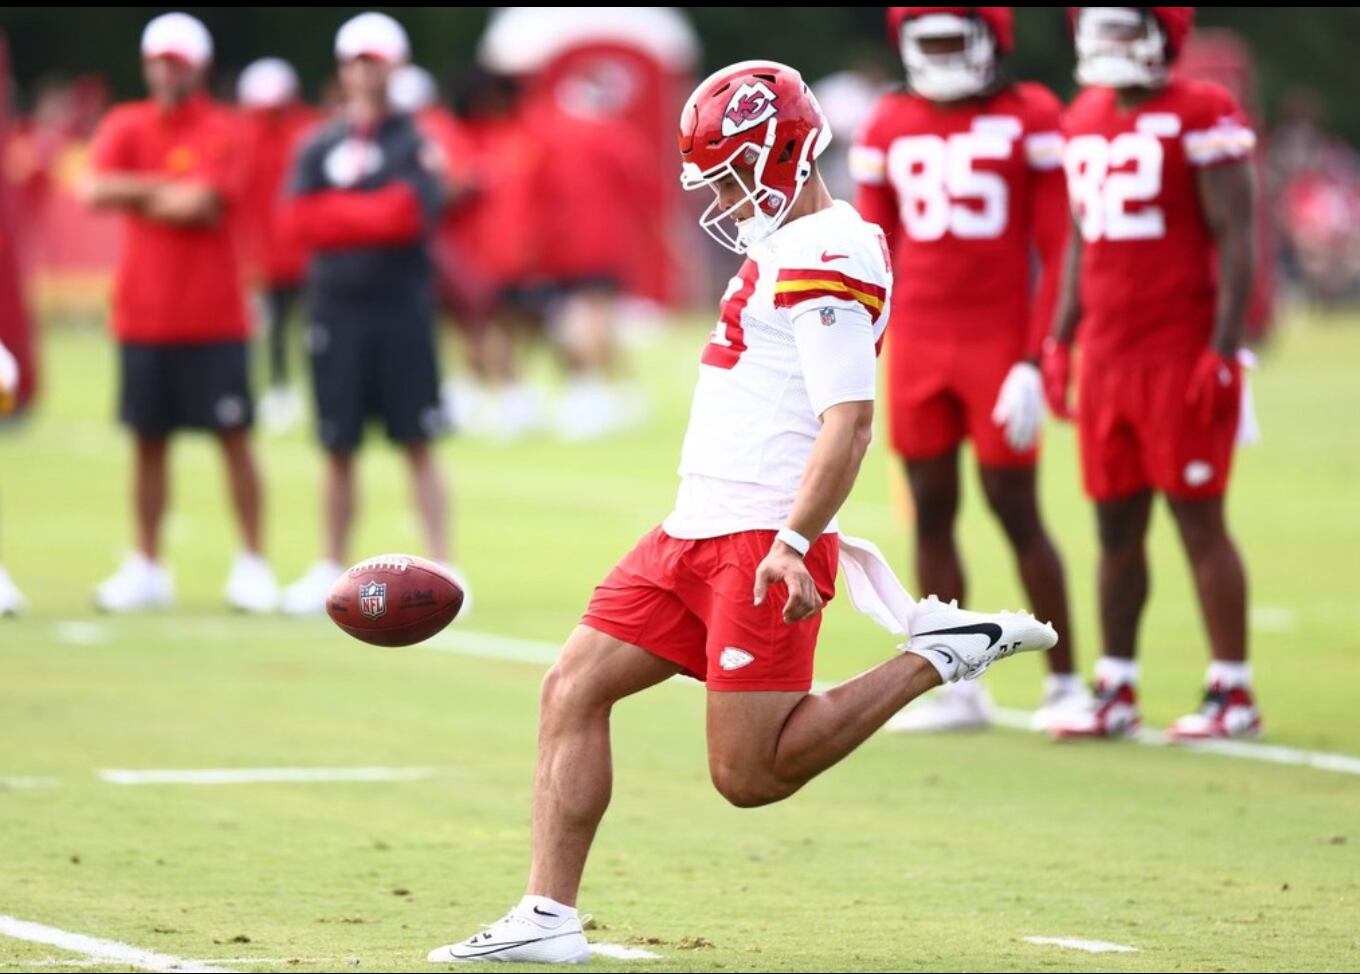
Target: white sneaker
{"points": [[587, 411], [251, 586], [281, 409], [1063, 698], [520, 937], [11, 599], [307, 596], [139, 584], [963, 644], [953, 707]]}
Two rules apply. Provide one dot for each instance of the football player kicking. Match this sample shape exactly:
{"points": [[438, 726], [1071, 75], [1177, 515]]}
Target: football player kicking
{"points": [[1158, 273], [963, 171], [729, 588]]}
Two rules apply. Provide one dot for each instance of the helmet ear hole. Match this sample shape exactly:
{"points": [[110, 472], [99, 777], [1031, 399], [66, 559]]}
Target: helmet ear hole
{"points": [[789, 148]]}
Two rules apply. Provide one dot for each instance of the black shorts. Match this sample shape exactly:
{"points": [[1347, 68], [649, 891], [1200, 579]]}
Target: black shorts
{"points": [[167, 387], [371, 364]]}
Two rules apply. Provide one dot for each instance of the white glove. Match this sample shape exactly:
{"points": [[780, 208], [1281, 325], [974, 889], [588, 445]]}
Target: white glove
{"points": [[9, 372], [1020, 406], [1248, 429]]}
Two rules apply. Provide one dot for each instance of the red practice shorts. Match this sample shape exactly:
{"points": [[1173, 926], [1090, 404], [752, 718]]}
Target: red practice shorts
{"points": [[1137, 432], [690, 602], [940, 394]]}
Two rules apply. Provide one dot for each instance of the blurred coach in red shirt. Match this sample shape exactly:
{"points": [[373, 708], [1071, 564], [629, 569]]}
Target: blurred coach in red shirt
{"points": [[170, 164]]}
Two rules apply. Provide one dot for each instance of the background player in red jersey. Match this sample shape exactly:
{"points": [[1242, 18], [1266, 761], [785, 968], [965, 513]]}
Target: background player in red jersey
{"points": [[963, 170], [170, 164], [1158, 275]]}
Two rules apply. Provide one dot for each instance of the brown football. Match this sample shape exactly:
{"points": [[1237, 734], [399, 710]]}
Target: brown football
{"points": [[394, 600]]}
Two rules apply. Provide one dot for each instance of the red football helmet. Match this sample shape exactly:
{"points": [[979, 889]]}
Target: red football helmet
{"points": [[756, 122], [1128, 47], [982, 34]]}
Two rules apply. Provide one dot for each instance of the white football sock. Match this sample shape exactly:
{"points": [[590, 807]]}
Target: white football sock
{"points": [[945, 664], [1113, 671], [546, 912], [1228, 676]]}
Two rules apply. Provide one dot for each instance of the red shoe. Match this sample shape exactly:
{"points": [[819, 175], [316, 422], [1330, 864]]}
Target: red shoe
{"points": [[1112, 712], [1223, 714]]}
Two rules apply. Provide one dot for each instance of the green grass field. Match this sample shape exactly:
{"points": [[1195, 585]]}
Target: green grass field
{"points": [[942, 853]]}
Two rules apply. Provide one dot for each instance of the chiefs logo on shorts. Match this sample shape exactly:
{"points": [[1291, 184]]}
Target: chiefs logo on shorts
{"points": [[751, 104], [373, 600]]}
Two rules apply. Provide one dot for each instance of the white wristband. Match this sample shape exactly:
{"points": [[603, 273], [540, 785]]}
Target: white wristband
{"points": [[794, 540]]}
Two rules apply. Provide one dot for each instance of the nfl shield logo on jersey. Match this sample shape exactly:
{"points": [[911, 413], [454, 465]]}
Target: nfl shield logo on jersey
{"points": [[373, 599], [828, 317]]}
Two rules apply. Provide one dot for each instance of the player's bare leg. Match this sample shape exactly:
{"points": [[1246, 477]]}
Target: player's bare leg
{"points": [[1220, 579], [1013, 496], [935, 492], [338, 504], [251, 585], [1123, 590], [1228, 708], [764, 746], [243, 478], [150, 490], [574, 774], [432, 499]]}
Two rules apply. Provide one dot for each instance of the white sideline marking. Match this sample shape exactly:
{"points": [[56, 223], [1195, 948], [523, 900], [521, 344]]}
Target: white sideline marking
{"points": [[1089, 946], [23, 783], [247, 776], [108, 951], [491, 646], [620, 952], [81, 633]]}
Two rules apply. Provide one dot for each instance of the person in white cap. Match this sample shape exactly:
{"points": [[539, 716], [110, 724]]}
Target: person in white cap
{"points": [[170, 165], [274, 121], [366, 195], [11, 599]]}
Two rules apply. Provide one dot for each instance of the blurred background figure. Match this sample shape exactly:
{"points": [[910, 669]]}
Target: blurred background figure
{"points": [[847, 98], [11, 599], [171, 165], [366, 196], [15, 324], [274, 119]]}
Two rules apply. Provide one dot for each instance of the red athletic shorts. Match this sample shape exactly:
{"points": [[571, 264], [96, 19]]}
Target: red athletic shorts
{"points": [[1137, 432], [940, 394], [690, 602]]}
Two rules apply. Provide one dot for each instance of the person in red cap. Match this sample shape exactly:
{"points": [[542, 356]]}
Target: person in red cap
{"points": [[1157, 281], [274, 121], [963, 170], [169, 163]]}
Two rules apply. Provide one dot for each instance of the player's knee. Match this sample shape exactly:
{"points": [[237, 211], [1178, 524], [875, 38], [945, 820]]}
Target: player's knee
{"points": [[745, 789], [1018, 516], [564, 692]]}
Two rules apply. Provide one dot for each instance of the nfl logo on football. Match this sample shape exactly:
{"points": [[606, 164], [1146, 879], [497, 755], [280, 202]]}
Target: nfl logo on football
{"points": [[373, 599]]}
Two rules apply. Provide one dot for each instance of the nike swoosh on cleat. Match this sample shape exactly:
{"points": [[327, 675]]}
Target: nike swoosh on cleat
{"points": [[989, 629], [497, 948]]}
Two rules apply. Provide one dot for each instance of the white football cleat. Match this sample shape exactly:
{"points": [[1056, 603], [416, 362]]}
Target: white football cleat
{"points": [[1225, 713], [251, 586], [962, 644], [307, 596], [1062, 698], [11, 599], [139, 584], [520, 937], [953, 707], [1112, 712]]}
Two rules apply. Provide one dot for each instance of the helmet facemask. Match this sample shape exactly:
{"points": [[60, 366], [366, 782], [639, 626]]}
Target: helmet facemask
{"points": [[1120, 47], [750, 166], [948, 57]]}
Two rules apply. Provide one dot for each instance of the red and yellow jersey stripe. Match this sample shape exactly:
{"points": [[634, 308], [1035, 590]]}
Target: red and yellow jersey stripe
{"points": [[793, 287]]}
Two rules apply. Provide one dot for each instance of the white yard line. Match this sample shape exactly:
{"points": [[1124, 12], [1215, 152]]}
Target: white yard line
{"points": [[20, 784], [1088, 946], [105, 951], [620, 952], [248, 776]]}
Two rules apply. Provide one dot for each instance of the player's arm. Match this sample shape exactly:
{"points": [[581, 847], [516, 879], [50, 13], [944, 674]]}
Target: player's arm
{"points": [[1227, 196], [839, 367], [118, 190], [185, 204], [1056, 362]]}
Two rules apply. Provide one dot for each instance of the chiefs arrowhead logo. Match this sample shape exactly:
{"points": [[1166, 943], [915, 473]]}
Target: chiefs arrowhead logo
{"points": [[750, 105]]}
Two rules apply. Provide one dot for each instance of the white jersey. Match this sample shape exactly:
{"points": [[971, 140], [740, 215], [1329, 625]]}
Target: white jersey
{"points": [[797, 333]]}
